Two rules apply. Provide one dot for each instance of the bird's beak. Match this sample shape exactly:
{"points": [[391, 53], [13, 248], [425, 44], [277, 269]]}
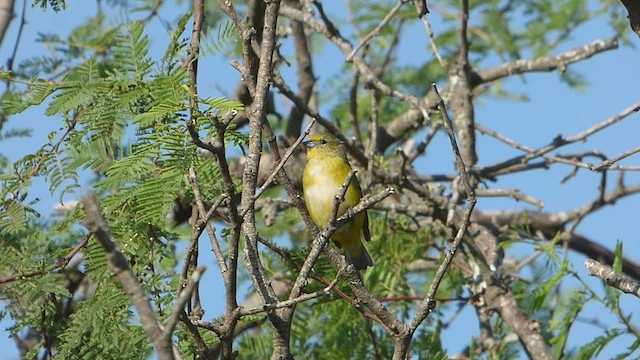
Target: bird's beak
{"points": [[309, 144]]}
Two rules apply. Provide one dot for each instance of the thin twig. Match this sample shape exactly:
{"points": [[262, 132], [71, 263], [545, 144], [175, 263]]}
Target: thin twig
{"points": [[62, 264], [421, 7], [376, 31], [202, 224], [339, 198], [609, 162], [291, 302], [513, 193], [353, 107], [326, 28], [428, 303], [23, 22], [399, 126], [283, 161], [257, 118], [507, 165], [182, 300]]}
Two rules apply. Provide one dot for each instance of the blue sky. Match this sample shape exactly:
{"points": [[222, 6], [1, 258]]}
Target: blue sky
{"points": [[554, 108]]}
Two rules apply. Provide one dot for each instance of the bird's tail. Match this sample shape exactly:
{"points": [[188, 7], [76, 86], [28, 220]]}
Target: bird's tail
{"points": [[360, 262]]}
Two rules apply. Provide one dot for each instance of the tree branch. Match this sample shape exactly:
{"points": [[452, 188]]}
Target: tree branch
{"points": [[97, 225], [633, 8], [412, 119]]}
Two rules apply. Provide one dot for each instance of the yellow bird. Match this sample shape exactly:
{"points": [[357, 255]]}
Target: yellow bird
{"points": [[326, 171]]}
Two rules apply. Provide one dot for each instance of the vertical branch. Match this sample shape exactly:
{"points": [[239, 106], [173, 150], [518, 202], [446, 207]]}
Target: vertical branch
{"points": [[353, 107], [461, 97], [191, 260], [373, 132], [306, 77], [229, 271], [250, 175], [23, 23], [256, 117], [218, 149], [191, 263], [376, 31], [194, 53], [633, 7]]}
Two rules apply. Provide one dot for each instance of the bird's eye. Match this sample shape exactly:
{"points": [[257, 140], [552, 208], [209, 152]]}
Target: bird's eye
{"points": [[323, 142]]}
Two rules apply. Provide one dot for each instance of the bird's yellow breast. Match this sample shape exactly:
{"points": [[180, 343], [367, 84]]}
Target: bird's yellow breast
{"points": [[323, 179]]}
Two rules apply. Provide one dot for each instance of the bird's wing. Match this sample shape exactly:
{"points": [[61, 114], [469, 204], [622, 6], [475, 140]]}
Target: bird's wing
{"points": [[365, 227]]}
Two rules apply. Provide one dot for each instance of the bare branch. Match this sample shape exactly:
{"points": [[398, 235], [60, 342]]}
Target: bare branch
{"points": [[376, 31], [353, 107], [421, 6], [203, 223], [508, 166], [97, 225], [183, 298], [529, 332], [373, 133], [461, 97], [548, 63], [608, 163], [633, 7], [291, 302], [328, 30], [59, 267], [622, 282], [23, 22], [6, 15], [513, 193], [550, 225], [304, 73], [413, 118]]}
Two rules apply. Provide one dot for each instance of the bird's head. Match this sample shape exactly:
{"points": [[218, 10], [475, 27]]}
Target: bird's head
{"points": [[322, 144]]}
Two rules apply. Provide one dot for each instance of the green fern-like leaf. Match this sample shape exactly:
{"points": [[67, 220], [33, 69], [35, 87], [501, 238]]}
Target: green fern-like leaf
{"points": [[617, 261], [155, 197], [176, 44], [102, 328], [595, 346], [95, 261], [223, 105], [130, 169], [13, 218], [17, 103], [74, 94], [56, 5], [227, 35], [131, 51], [159, 112], [564, 318], [59, 170], [544, 289]]}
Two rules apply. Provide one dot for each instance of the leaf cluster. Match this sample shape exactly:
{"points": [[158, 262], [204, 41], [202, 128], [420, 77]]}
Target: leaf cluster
{"points": [[123, 121]]}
